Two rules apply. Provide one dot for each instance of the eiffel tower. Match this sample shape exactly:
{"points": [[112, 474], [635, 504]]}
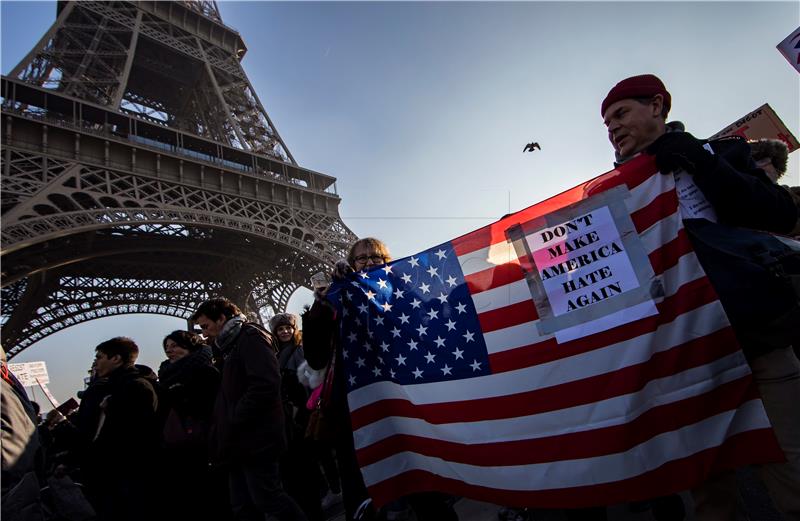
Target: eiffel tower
{"points": [[141, 174]]}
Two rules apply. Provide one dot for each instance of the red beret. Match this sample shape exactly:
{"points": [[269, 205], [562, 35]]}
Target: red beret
{"points": [[644, 86]]}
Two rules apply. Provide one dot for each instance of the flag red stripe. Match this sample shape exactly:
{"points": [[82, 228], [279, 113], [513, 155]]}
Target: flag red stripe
{"points": [[693, 470], [629, 379], [575, 445], [662, 206], [690, 296], [496, 232], [503, 274], [661, 259], [632, 173], [668, 255], [497, 276], [508, 316]]}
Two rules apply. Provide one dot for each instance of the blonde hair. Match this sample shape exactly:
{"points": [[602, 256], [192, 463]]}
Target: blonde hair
{"points": [[371, 243]]}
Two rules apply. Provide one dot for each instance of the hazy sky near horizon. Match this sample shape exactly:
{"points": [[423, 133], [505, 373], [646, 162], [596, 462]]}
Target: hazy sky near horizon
{"points": [[421, 110]]}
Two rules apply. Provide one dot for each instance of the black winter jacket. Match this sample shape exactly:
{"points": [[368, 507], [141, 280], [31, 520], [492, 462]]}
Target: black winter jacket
{"points": [[248, 415]]}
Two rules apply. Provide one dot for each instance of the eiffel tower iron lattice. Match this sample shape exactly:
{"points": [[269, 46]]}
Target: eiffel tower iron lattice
{"points": [[141, 174]]}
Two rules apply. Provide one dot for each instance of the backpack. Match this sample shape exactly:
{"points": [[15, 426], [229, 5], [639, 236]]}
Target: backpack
{"points": [[757, 277]]}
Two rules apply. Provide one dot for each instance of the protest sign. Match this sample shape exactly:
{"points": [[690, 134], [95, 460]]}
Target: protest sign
{"points": [[790, 48], [762, 123], [29, 372]]}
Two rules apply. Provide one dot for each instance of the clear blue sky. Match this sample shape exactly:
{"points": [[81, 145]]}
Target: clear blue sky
{"points": [[421, 110]]}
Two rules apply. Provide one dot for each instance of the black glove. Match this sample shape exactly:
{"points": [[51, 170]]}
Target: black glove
{"points": [[676, 150], [339, 273], [341, 270]]}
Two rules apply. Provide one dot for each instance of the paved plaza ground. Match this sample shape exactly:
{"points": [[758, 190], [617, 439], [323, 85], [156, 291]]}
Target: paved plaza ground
{"points": [[755, 502]]}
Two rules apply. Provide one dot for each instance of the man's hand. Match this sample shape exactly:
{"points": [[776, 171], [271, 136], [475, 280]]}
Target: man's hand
{"points": [[676, 150]]}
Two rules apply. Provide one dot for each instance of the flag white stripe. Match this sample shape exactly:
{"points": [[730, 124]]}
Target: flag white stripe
{"points": [[489, 257], [647, 456], [648, 191], [597, 415], [512, 337], [501, 296], [660, 233], [688, 326]]}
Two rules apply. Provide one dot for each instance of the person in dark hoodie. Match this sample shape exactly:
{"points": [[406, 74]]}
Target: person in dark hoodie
{"points": [[119, 464], [190, 383]]}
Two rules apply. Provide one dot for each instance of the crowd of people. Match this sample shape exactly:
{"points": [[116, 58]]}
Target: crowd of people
{"points": [[243, 421], [219, 432]]}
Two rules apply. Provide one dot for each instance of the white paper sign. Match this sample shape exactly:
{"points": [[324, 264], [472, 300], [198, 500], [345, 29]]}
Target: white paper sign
{"points": [[691, 200], [582, 262], [639, 311], [28, 372]]}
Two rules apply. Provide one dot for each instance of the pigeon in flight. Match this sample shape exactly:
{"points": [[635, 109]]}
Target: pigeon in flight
{"points": [[530, 147]]}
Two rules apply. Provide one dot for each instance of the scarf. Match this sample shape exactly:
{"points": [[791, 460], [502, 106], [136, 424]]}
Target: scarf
{"points": [[171, 373], [230, 330]]}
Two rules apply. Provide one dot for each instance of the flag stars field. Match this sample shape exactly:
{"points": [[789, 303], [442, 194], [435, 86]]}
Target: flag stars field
{"points": [[411, 324]]}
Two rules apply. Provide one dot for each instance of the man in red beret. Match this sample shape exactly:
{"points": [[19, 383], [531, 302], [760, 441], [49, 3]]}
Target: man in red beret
{"points": [[761, 306]]}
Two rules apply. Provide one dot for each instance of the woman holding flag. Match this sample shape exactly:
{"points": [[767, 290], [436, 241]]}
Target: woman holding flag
{"points": [[323, 349]]}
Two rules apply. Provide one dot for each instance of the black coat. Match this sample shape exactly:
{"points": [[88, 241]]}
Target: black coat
{"points": [[320, 345], [120, 465], [748, 268], [248, 415], [191, 384], [742, 194], [132, 424]]}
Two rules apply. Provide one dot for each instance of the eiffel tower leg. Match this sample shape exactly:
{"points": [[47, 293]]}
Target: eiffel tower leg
{"points": [[37, 287], [29, 58], [141, 174]]}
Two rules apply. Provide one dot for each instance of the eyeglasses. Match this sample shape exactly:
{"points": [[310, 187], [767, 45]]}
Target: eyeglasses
{"points": [[376, 259]]}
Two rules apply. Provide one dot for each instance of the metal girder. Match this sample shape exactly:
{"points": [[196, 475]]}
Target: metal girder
{"points": [[94, 48], [193, 195], [205, 7], [109, 272], [71, 197]]}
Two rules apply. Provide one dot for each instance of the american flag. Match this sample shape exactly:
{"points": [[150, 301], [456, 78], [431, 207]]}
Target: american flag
{"points": [[453, 386]]}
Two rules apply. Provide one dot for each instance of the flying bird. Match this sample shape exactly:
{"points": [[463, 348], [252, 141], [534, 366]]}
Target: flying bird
{"points": [[530, 147]]}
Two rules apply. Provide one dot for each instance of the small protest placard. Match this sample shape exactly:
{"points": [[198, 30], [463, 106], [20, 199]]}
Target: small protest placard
{"points": [[29, 372], [762, 123], [579, 261], [790, 48], [586, 268]]}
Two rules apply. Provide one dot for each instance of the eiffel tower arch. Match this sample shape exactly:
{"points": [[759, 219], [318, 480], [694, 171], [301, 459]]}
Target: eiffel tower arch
{"points": [[141, 174]]}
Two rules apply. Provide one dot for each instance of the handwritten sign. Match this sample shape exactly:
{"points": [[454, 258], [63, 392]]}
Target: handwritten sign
{"points": [[29, 372], [762, 123]]}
